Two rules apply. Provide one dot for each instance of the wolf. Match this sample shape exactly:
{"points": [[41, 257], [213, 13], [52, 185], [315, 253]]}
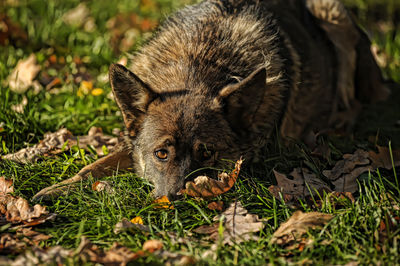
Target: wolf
{"points": [[219, 76]]}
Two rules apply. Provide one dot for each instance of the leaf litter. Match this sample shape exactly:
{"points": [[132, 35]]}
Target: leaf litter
{"points": [[341, 180], [62, 140], [18, 216]]}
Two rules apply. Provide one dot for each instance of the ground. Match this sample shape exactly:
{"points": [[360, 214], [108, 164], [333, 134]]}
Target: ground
{"points": [[70, 50]]}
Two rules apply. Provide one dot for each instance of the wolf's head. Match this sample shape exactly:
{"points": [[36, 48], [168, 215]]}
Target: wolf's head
{"points": [[174, 133]]}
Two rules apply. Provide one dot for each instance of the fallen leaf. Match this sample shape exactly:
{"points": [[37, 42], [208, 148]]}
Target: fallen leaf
{"points": [[216, 205], [6, 186], [23, 75], [103, 186], [14, 243], [17, 211], [62, 140], [238, 225], [126, 225], [137, 220], [163, 203], [86, 252], [345, 172], [382, 159], [206, 187], [304, 183], [116, 255], [152, 245], [290, 232]]}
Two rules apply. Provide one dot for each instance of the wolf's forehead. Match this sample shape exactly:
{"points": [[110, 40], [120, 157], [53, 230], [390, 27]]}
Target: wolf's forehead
{"points": [[182, 115]]}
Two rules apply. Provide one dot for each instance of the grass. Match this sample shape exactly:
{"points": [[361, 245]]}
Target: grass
{"points": [[353, 235]]}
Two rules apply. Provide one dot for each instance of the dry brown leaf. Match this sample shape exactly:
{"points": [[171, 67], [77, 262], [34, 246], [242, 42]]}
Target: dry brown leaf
{"points": [[17, 210], [290, 232], [238, 225], [216, 205], [53, 143], [86, 252], [383, 159], [20, 240], [345, 172], [103, 186], [23, 75], [126, 225], [304, 183], [206, 187], [6, 186], [152, 245]]}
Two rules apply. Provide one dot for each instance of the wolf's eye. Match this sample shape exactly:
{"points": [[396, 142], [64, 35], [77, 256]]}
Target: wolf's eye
{"points": [[161, 154]]}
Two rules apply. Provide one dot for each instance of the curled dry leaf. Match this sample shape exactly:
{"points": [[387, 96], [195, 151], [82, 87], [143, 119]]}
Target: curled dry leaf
{"points": [[23, 75], [206, 187], [290, 232], [239, 225], [163, 203], [304, 183], [55, 143], [16, 210], [383, 159]]}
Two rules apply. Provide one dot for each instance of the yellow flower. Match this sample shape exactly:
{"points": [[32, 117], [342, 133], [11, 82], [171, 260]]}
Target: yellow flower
{"points": [[97, 91]]}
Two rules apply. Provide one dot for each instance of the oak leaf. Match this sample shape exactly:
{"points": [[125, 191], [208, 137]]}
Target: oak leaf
{"points": [[383, 158], [345, 172], [206, 187], [304, 183]]}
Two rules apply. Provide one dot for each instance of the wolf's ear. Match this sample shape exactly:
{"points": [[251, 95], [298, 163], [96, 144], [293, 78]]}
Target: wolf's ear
{"points": [[240, 101], [132, 96]]}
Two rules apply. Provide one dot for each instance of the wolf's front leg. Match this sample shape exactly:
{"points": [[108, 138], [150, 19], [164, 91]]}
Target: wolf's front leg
{"points": [[120, 159]]}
